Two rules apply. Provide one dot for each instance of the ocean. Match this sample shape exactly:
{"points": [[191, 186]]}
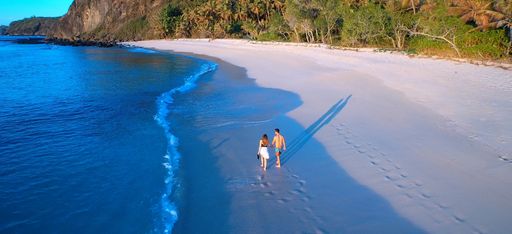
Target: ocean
{"points": [[86, 139]]}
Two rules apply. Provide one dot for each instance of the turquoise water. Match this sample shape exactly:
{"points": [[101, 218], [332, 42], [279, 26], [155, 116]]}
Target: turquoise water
{"points": [[85, 140]]}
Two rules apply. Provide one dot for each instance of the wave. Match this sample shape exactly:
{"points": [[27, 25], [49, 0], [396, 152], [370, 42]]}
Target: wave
{"points": [[164, 101]]}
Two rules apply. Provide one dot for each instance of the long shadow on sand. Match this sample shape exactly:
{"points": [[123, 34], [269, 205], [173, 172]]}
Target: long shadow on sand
{"points": [[297, 143], [225, 191]]}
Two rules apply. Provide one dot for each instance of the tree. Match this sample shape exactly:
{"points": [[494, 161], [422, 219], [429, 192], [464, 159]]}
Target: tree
{"points": [[365, 25], [329, 19], [439, 25], [479, 12]]}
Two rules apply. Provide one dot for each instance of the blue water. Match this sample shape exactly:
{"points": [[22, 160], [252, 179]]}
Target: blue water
{"points": [[85, 140]]}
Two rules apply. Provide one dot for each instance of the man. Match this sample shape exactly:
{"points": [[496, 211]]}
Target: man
{"points": [[280, 144]]}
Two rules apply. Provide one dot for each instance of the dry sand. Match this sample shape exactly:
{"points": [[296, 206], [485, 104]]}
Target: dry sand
{"points": [[432, 137]]}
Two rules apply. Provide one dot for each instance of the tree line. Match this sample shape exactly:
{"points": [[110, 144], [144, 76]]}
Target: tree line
{"points": [[458, 28]]}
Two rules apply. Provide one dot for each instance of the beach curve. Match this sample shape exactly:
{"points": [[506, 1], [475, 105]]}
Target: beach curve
{"points": [[406, 135]]}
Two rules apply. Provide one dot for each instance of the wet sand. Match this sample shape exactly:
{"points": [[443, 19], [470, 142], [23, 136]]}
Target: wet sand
{"points": [[225, 190], [431, 137]]}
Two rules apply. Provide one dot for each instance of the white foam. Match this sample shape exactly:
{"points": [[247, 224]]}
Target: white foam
{"points": [[169, 211]]}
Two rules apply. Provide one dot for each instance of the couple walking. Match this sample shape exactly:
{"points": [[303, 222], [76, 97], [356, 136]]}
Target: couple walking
{"points": [[279, 146]]}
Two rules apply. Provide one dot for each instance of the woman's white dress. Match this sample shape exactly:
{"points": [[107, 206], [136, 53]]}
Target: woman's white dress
{"points": [[264, 152]]}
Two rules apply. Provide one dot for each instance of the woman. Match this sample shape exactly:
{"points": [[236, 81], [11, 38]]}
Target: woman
{"points": [[263, 151]]}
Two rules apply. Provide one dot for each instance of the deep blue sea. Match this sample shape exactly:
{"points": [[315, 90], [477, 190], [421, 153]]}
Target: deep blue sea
{"points": [[85, 139]]}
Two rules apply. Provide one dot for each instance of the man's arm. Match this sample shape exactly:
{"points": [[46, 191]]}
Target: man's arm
{"points": [[273, 141], [284, 143]]}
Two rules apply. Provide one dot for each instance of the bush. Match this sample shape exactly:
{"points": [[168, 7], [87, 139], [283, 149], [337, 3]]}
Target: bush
{"points": [[269, 36], [429, 46], [365, 25], [170, 18], [490, 44]]}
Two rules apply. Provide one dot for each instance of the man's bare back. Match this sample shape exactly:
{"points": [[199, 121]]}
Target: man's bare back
{"points": [[280, 144]]}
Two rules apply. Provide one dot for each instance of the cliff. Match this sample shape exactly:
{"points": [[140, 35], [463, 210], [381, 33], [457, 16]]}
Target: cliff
{"points": [[109, 20], [32, 26]]}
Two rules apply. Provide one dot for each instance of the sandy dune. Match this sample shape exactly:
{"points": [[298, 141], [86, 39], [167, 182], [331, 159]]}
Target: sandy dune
{"points": [[432, 137]]}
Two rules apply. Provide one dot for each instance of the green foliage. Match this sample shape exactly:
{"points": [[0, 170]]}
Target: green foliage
{"points": [[278, 28], [366, 25], [269, 36], [429, 46], [170, 18], [235, 28], [486, 45], [426, 28], [134, 29]]}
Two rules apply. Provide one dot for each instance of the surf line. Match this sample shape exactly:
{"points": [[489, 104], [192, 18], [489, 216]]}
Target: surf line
{"points": [[172, 157]]}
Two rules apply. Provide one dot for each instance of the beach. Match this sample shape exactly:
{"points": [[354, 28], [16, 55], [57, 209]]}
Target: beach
{"points": [[378, 142]]}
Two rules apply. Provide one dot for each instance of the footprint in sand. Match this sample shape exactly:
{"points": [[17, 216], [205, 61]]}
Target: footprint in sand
{"points": [[426, 195], [395, 174], [296, 191], [392, 177], [283, 200], [269, 194], [505, 159], [458, 218], [384, 169], [441, 205], [306, 198], [265, 184]]}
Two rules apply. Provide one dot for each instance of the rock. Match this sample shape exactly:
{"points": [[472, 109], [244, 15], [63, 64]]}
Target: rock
{"points": [[3, 29]]}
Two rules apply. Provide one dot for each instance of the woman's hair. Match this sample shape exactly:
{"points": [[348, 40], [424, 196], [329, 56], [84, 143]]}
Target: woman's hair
{"points": [[264, 139]]}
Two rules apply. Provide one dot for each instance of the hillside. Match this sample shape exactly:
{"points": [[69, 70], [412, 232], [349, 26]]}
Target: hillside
{"points": [[478, 29], [115, 20], [32, 26]]}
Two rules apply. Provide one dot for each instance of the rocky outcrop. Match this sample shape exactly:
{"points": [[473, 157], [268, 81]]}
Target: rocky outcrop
{"points": [[3, 29], [109, 20], [40, 26]]}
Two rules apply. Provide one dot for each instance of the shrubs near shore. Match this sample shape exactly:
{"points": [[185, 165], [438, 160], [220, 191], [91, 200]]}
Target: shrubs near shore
{"points": [[456, 28]]}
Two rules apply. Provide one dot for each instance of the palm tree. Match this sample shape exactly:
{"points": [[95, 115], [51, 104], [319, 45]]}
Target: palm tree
{"points": [[255, 9], [504, 7], [480, 12], [241, 10]]}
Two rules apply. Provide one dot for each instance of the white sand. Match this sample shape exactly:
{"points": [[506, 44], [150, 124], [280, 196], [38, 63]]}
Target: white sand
{"points": [[432, 137]]}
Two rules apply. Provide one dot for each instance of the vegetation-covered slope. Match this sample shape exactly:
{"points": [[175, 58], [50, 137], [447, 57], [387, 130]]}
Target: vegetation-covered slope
{"points": [[32, 26], [459, 28]]}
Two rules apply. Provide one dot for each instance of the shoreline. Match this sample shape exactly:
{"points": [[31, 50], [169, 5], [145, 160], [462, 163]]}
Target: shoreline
{"points": [[249, 197], [418, 156], [488, 63]]}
